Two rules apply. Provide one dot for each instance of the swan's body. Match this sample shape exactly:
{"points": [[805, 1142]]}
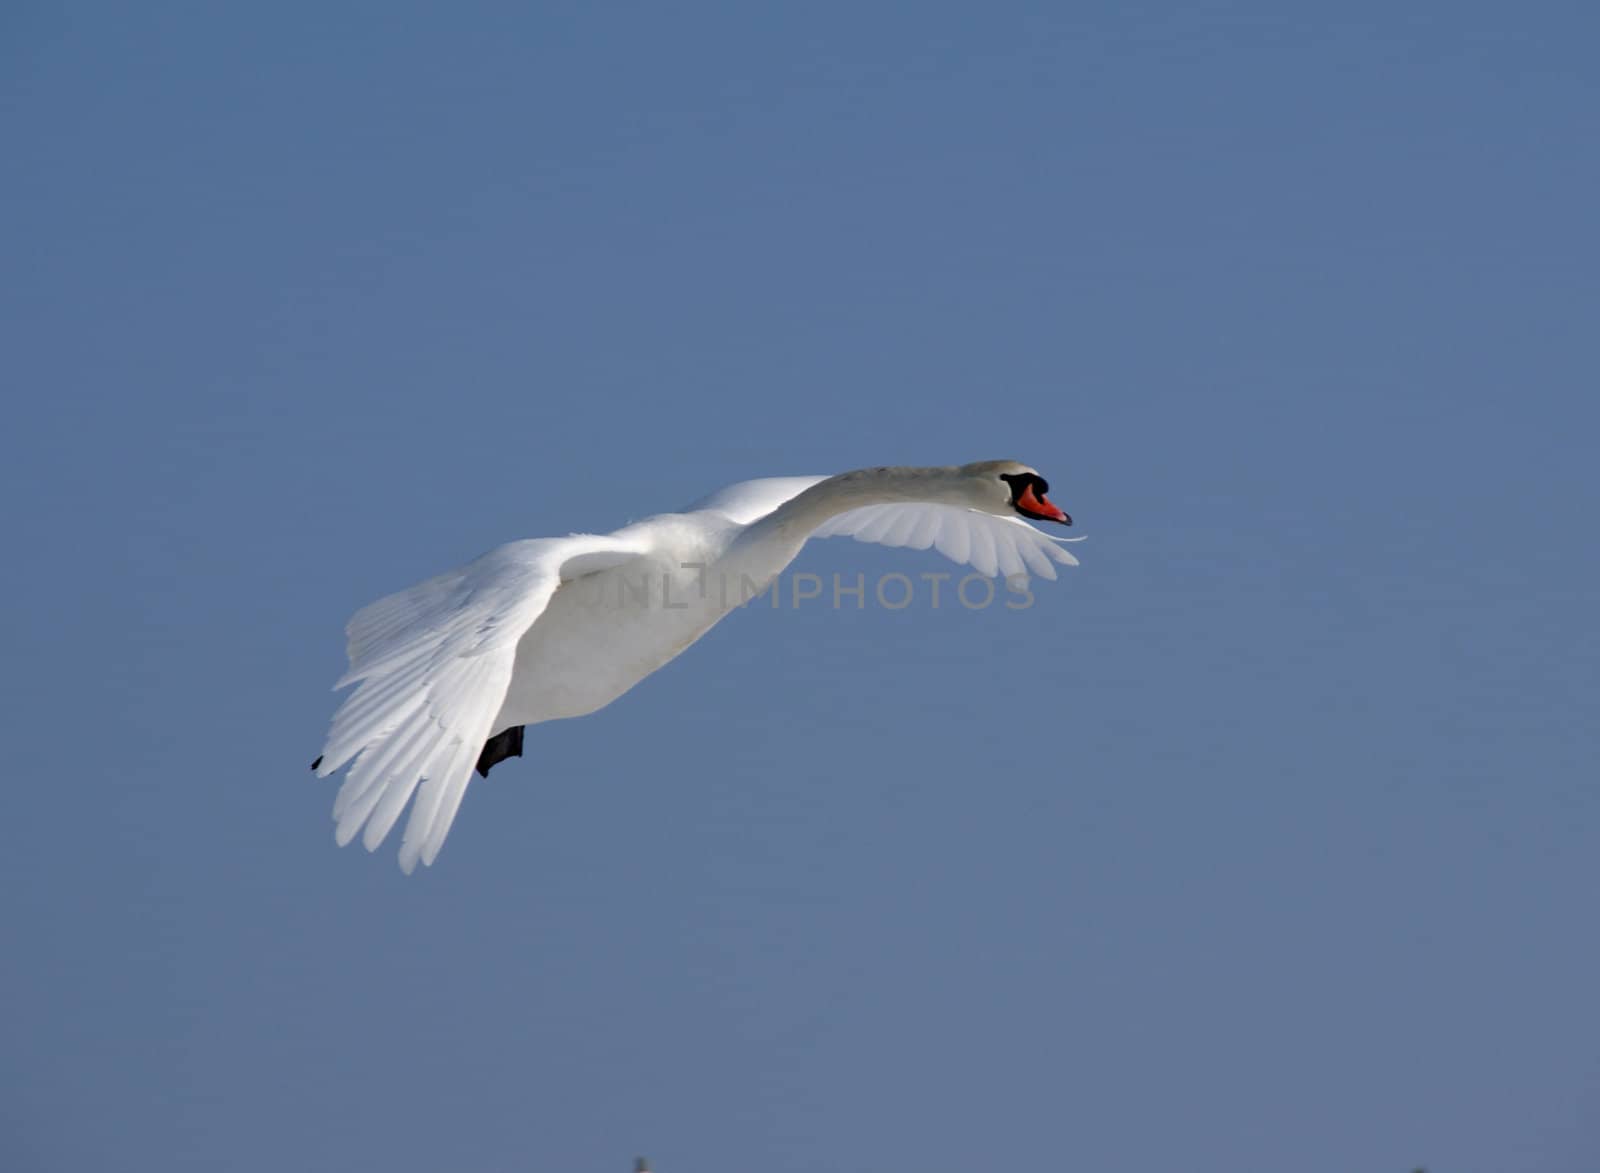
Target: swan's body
{"points": [[559, 627]]}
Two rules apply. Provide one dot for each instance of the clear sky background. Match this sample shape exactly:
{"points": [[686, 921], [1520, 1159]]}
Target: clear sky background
{"points": [[1268, 839]]}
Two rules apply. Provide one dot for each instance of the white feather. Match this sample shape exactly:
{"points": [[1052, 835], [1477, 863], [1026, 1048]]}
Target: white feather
{"points": [[432, 666]]}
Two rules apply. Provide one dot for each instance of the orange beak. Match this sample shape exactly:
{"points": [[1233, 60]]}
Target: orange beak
{"points": [[1040, 507]]}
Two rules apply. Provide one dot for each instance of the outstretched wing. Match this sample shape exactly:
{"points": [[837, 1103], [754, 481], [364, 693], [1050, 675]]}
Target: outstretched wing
{"points": [[432, 665], [989, 544]]}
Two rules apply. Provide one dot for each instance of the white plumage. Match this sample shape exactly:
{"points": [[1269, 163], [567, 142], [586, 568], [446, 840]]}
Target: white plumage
{"points": [[559, 627]]}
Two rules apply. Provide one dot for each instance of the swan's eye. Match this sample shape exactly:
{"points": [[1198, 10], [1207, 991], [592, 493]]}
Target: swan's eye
{"points": [[1018, 482]]}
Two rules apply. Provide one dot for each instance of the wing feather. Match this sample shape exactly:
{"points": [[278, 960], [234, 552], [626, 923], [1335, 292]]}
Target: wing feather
{"points": [[431, 666], [954, 540], [899, 533], [926, 529], [878, 526], [361, 788], [1008, 560], [984, 558], [989, 544], [1035, 557]]}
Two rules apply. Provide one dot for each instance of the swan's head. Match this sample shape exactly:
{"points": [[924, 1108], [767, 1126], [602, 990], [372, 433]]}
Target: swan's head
{"points": [[1005, 487]]}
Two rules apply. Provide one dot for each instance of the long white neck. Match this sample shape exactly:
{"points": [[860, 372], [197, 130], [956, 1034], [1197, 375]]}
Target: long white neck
{"points": [[805, 511], [770, 543]]}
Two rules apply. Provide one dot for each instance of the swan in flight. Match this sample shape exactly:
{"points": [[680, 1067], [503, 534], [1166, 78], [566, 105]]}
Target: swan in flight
{"points": [[450, 671]]}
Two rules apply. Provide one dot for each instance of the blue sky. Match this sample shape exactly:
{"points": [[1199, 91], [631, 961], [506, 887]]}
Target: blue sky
{"points": [[1266, 839]]}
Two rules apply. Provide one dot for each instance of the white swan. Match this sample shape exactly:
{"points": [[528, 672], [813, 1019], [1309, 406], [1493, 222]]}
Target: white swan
{"points": [[451, 670]]}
